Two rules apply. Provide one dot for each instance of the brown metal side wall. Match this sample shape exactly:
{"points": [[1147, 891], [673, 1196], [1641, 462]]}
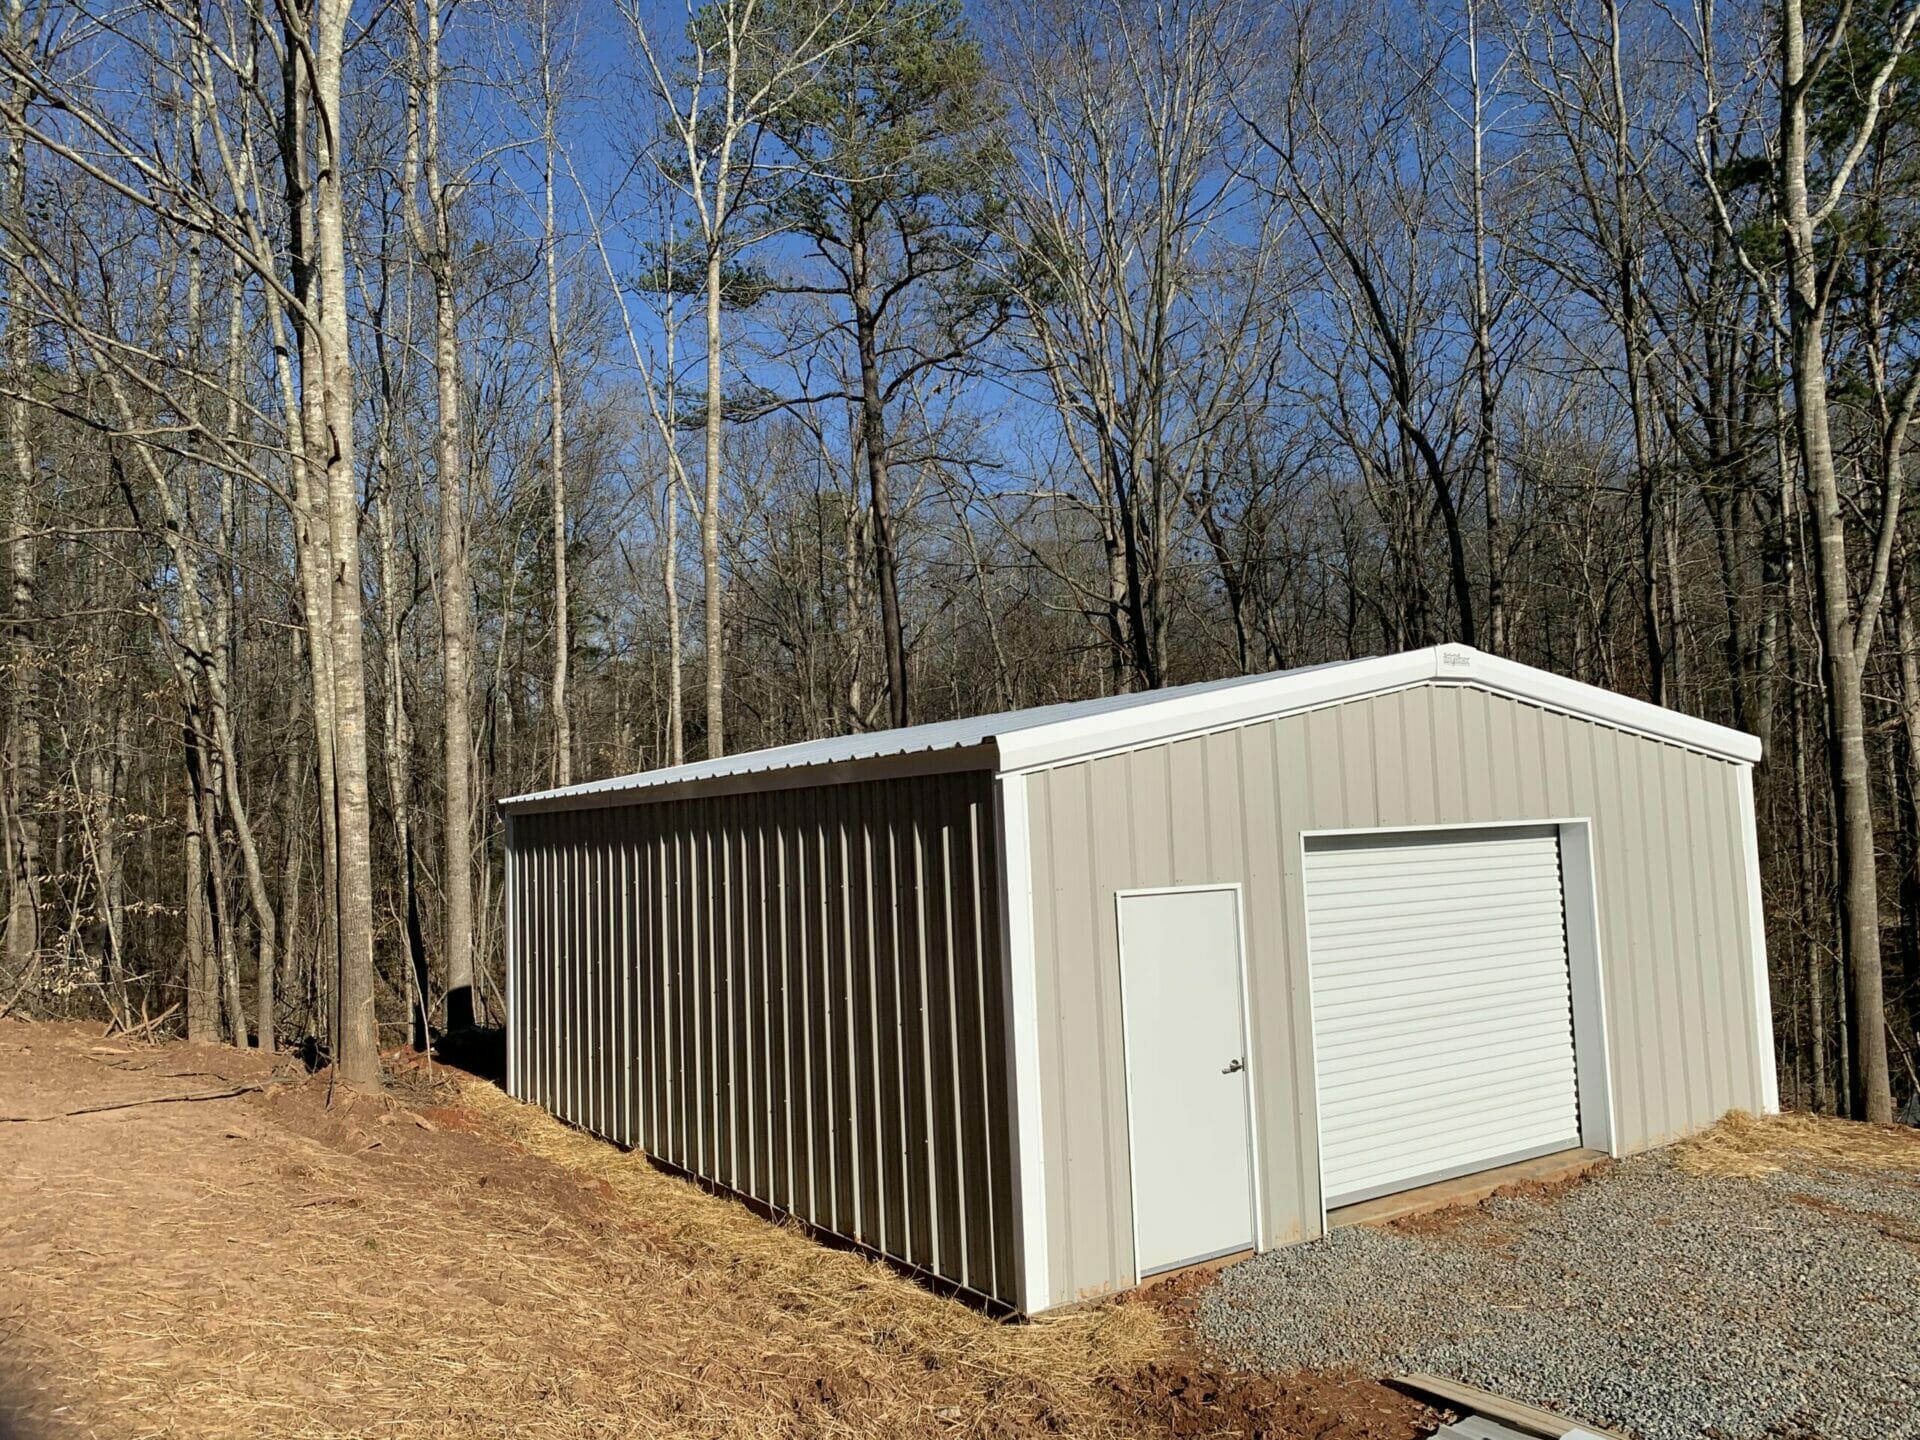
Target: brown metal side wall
{"points": [[797, 994]]}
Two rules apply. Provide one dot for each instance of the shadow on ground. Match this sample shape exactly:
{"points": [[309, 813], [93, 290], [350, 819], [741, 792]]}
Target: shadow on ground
{"points": [[481, 1052]]}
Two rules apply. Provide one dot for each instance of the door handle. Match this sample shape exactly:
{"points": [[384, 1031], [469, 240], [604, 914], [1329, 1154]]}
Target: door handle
{"points": [[1233, 1067]]}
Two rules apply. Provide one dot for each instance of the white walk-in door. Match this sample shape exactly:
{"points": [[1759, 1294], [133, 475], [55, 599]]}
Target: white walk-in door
{"points": [[1187, 1105], [1442, 1013]]}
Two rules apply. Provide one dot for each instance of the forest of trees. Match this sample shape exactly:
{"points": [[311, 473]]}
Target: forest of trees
{"points": [[411, 404]]}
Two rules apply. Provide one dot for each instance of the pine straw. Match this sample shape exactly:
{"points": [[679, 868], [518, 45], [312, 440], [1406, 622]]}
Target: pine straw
{"points": [[840, 1311], [1746, 1147], [268, 1265]]}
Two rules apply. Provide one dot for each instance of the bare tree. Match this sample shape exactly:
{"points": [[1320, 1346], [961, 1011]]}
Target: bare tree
{"points": [[744, 63], [431, 195], [1370, 209], [1575, 61], [1818, 160], [551, 63], [659, 375], [1486, 386], [1292, 333], [24, 26], [1132, 179], [326, 377]]}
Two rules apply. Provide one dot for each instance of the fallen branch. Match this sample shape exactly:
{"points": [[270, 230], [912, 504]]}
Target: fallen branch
{"points": [[148, 1024], [133, 1104], [33, 969]]}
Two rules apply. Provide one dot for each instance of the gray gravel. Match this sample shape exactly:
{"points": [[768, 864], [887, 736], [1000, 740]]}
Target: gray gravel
{"points": [[1644, 1299]]}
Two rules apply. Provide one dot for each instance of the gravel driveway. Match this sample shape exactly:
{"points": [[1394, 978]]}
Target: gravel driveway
{"points": [[1644, 1298]]}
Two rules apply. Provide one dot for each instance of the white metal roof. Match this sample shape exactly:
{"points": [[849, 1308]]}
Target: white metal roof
{"points": [[1054, 734]]}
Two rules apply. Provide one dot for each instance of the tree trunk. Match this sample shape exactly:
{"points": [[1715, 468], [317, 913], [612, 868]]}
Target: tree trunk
{"points": [[203, 1000], [1871, 1094], [1488, 435], [105, 779], [220, 666], [1907, 629], [873, 423], [1819, 1063], [710, 520], [1133, 574], [22, 940], [226, 948], [1626, 280], [312, 520], [399, 744], [1857, 882], [206, 937], [557, 477], [1457, 572], [456, 629], [670, 582], [1819, 1060], [330, 364], [316, 614], [433, 236], [294, 772]]}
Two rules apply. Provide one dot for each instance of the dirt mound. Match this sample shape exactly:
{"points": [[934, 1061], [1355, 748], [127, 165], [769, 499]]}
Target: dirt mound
{"points": [[1476, 1218], [340, 1118], [1188, 1398], [442, 1261]]}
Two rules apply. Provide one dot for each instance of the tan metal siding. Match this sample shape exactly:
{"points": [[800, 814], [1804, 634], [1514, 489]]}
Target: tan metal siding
{"points": [[1232, 806], [798, 995]]}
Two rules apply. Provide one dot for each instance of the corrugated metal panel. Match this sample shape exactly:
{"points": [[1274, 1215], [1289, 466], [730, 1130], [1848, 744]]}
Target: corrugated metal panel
{"points": [[1232, 806], [798, 995], [1442, 1006]]}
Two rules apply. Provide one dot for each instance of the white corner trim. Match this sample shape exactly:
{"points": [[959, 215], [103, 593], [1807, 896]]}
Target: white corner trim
{"points": [[1757, 932], [512, 950], [1587, 977], [1023, 1000], [1313, 1036]]}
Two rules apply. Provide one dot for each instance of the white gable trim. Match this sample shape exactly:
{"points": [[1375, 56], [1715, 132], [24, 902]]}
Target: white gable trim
{"points": [[1180, 717], [1023, 741]]}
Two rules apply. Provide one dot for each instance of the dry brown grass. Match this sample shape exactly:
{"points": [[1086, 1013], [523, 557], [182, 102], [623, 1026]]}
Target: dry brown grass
{"points": [[275, 1265], [440, 1262], [445, 1262], [1744, 1146], [838, 1305]]}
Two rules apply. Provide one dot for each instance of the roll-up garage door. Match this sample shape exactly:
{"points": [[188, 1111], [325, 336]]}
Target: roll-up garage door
{"points": [[1442, 1012]]}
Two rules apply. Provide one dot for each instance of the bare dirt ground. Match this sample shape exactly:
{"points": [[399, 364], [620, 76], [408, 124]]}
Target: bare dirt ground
{"points": [[444, 1262]]}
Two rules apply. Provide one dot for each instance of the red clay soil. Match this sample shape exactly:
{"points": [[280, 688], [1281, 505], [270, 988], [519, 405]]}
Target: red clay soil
{"points": [[1189, 1396], [1449, 1219], [1891, 1226], [1193, 1399], [298, 1262]]}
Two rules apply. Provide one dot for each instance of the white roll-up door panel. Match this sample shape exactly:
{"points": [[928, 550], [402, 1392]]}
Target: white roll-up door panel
{"points": [[1442, 1013]]}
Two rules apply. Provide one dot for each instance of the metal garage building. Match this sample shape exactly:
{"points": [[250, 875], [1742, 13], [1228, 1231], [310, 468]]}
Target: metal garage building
{"points": [[1045, 1002]]}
